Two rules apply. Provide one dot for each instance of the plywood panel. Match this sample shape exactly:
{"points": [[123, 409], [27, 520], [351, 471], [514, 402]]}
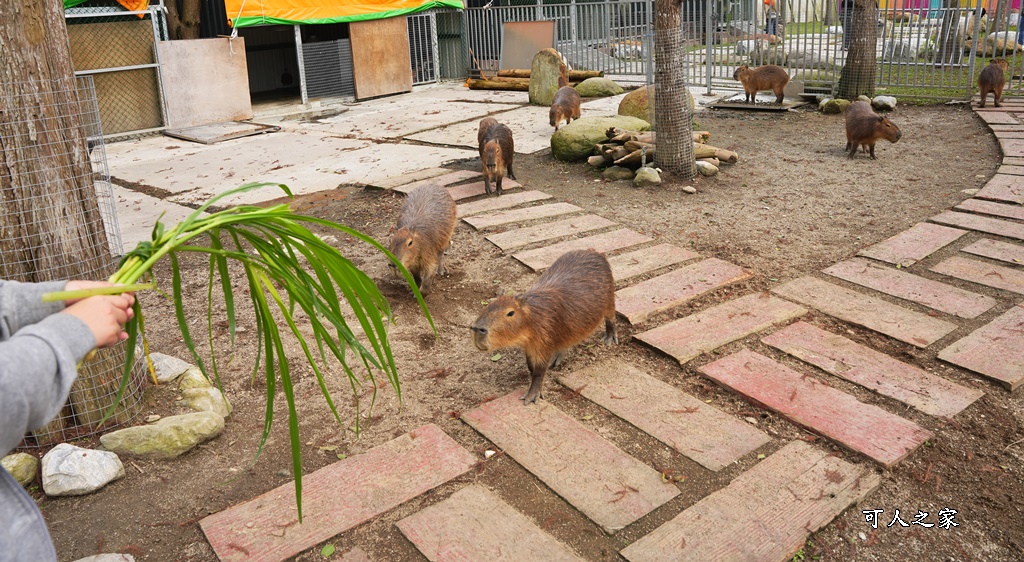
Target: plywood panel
{"points": [[380, 57], [206, 81]]}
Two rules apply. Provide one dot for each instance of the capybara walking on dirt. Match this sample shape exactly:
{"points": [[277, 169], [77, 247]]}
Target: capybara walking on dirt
{"points": [[566, 104], [497, 149], [425, 226], [864, 127], [767, 77], [563, 308], [992, 79]]}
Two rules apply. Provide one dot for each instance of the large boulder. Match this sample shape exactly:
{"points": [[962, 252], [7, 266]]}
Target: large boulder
{"points": [[73, 471], [168, 368], [22, 467], [638, 102], [598, 87], [166, 439], [544, 73], [575, 141], [193, 378], [205, 400]]}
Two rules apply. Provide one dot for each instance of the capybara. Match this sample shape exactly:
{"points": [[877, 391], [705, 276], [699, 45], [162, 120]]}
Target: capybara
{"points": [[425, 226], [563, 308], [497, 149], [767, 77], [566, 103], [864, 127], [992, 79]]}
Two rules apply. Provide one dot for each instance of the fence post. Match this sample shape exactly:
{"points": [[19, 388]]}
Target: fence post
{"points": [[974, 50], [572, 22], [648, 49], [153, 10], [302, 66], [435, 46], [709, 39]]}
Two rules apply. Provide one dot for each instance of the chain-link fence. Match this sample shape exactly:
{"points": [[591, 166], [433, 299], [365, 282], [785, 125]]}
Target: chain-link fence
{"points": [[61, 223]]}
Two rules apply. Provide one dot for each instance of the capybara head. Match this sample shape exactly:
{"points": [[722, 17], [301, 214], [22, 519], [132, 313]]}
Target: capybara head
{"points": [[554, 114], [1000, 62], [404, 246], [503, 324], [885, 129], [493, 161], [738, 71]]}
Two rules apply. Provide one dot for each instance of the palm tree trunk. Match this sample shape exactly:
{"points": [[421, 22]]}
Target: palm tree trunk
{"points": [[675, 139], [858, 75]]}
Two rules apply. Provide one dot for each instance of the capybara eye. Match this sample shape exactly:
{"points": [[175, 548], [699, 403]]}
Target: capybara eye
{"points": [[511, 313], [410, 243]]}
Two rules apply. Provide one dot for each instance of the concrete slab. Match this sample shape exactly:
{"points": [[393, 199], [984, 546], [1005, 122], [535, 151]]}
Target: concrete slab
{"points": [[548, 231], [993, 350], [1011, 147], [419, 175], [730, 524], [389, 118], [137, 213], [997, 250], [983, 273], [913, 244], [541, 258], [875, 314], [469, 190], [510, 216], [475, 524], [692, 428], [530, 130], [981, 224], [1011, 170], [886, 438], [998, 118], [631, 264], [856, 363], [1004, 187], [607, 485], [639, 302], [992, 208]]}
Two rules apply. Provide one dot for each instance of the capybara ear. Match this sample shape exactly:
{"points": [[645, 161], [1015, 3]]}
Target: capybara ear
{"points": [[880, 118]]}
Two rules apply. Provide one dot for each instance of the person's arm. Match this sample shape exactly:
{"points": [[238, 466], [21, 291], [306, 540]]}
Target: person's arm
{"points": [[21, 304]]}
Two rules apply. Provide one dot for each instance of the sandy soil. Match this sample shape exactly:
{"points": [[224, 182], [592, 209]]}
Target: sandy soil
{"points": [[793, 205]]}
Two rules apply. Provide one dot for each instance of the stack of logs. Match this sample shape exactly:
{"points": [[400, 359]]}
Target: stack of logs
{"points": [[630, 149], [518, 80]]}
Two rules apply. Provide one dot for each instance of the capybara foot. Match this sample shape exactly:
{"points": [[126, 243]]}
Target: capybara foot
{"points": [[531, 396], [556, 361]]}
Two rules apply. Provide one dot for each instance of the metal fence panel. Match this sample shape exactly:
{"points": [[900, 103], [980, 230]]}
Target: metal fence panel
{"points": [[423, 48], [328, 69]]}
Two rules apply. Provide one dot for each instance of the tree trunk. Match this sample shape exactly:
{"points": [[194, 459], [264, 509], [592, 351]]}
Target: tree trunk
{"points": [[949, 46], [858, 75], [50, 222], [183, 23], [675, 139]]}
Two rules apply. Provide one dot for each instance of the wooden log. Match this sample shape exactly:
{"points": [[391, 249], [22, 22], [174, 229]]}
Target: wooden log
{"points": [[634, 159], [637, 145], [708, 151], [713, 161], [478, 84], [701, 136], [647, 137], [620, 152], [574, 75], [598, 160]]}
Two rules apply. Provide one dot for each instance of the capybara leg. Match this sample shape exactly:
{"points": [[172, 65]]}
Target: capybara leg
{"points": [[779, 97], [497, 185], [510, 173], [610, 335], [853, 151], [556, 361], [871, 148], [425, 285], [487, 184], [441, 269], [998, 98], [537, 372], [848, 143]]}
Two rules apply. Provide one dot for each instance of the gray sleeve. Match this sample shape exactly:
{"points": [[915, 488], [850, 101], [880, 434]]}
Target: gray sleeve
{"points": [[21, 304], [37, 366]]}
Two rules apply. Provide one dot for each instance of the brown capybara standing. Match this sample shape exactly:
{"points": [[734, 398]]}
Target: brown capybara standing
{"points": [[497, 150], [864, 127], [767, 77], [425, 226], [566, 103], [992, 79], [563, 308]]}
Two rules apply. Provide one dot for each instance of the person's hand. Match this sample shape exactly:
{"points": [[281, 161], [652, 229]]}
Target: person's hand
{"points": [[105, 315]]}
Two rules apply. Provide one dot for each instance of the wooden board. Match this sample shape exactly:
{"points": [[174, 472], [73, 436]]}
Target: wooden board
{"points": [[983, 273], [997, 250], [540, 259], [994, 350], [495, 203], [381, 63], [993, 208], [503, 217]]}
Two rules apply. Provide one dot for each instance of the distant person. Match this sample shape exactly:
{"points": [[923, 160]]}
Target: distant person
{"points": [[771, 18], [41, 345]]}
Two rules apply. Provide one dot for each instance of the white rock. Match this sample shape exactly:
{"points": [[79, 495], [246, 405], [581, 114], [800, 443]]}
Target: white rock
{"points": [[862, 536], [72, 471], [884, 103], [194, 378], [971, 191], [750, 420], [168, 368], [206, 400], [488, 454], [646, 177], [153, 418], [108, 557], [706, 169], [689, 189], [22, 466]]}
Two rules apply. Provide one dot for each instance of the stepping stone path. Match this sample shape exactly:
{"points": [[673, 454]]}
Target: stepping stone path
{"points": [[983, 273], [911, 245], [500, 218], [806, 401], [994, 350], [1002, 251], [641, 301], [629, 265], [548, 231], [442, 180], [542, 258], [982, 224], [503, 202], [465, 191], [992, 208], [1003, 187]]}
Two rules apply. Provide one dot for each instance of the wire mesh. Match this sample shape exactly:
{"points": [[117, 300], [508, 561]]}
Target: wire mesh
{"points": [[670, 113], [61, 223], [328, 69], [423, 53]]}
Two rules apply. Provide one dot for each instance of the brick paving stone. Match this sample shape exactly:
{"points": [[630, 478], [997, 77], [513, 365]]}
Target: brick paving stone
{"points": [[509, 216], [982, 224], [886, 438], [337, 497], [631, 264], [1012, 147], [1004, 187], [610, 487], [913, 244], [1010, 161], [442, 180], [541, 258], [1012, 170], [856, 363], [398, 181], [710, 329], [548, 231], [475, 524], [1006, 128], [914, 288], [1008, 134], [703, 433], [465, 191], [983, 273], [994, 350], [997, 250], [992, 208], [639, 302], [766, 513], [876, 314], [998, 117], [503, 202]]}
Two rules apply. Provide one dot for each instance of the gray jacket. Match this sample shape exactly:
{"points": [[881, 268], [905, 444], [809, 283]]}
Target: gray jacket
{"points": [[39, 352]]}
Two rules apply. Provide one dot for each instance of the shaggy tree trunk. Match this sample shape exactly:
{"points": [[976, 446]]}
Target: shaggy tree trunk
{"points": [[949, 45], [675, 138], [50, 222], [858, 75]]}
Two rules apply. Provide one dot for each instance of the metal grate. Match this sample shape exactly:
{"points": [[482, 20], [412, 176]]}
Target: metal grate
{"points": [[328, 69], [423, 51]]}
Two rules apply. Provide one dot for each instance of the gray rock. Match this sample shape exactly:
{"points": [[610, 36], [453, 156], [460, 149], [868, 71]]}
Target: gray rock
{"points": [[793, 89], [22, 466], [616, 173], [864, 98], [808, 59], [598, 87], [575, 141], [745, 47], [205, 400], [597, 160], [706, 168], [73, 471], [884, 103], [167, 438], [193, 378], [168, 368], [689, 189], [646, 177], [108, 557], [639, 102], [544, 73], [834, 107]]}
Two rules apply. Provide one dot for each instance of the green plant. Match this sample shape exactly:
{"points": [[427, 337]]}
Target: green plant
{"points": [[286, 266]]}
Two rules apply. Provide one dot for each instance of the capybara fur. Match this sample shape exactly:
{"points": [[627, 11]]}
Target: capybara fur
{"points": [[993, 79], [566, 104], [425, 226], [767, 77], [563, 308], [497, 150], [864, 127]]}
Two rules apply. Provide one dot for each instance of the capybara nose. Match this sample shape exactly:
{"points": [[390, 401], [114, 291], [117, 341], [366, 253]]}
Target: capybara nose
{"points": [[480, 337]]}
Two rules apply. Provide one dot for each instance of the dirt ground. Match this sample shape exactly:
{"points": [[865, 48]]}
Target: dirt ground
{"points": [[794, 204]]}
